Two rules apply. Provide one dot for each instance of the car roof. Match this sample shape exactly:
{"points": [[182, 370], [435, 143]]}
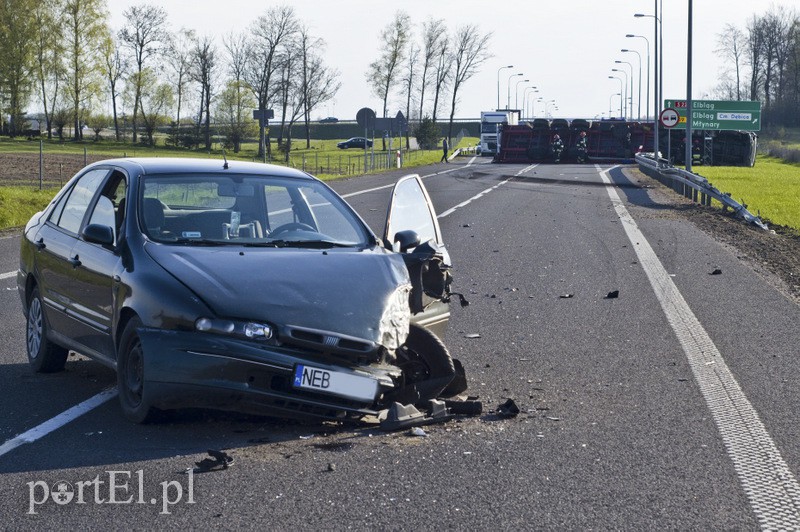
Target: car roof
{"points": [[180, 165]]}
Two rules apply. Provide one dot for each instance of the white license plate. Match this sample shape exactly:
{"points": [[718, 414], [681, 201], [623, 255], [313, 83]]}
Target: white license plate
{"points": [[335, 383]]}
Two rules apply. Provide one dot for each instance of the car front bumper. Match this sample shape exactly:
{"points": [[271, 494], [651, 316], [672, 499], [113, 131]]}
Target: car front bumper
{"points": [[191, 369]]}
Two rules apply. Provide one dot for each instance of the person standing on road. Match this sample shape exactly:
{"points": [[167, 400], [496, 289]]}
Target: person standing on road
{"points": [[444, 149]]}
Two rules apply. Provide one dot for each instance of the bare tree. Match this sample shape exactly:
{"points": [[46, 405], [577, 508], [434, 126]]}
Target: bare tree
{"points": [[84, 29], [434, 37], [470, 51], [156, 102], [204, 72], [144, 34], [383, 71], [179, 56], [731, 46], [408, 80], [318, 83], [269, 33], [755, 49], [441, 73], [114, 68], [48, 50]]}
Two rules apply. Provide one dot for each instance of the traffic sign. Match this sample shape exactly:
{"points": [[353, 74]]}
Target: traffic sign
{"points": [[718, 114], [669, 117]]}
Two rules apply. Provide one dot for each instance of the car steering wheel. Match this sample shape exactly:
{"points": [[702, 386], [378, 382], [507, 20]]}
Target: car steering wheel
{"points": [[293, 226]]}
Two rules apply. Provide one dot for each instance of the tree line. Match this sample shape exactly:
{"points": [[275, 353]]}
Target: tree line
{"points": [[762, 63], [62, 57]]}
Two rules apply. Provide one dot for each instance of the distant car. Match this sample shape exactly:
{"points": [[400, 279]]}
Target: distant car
{"points": [[355, 142], [329, 120], [239, 287]]}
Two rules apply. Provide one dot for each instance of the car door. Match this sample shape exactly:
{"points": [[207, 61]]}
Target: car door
{"points": [[426, 257], [97, 273], [55, 260]]}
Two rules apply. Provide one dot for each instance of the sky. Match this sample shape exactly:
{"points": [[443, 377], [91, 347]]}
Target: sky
{"points": [[565, 48]]}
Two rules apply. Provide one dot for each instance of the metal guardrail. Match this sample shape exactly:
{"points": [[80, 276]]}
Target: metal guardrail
{"points": [[694, 187]]}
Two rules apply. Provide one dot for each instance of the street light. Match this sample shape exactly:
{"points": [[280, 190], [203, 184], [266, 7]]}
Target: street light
{"points": [[525, 99], [630, 98], [610, 99], [508, 89], [625, 106], [658, 70], [498, 83], [532, 114], [620, 93], [631, 36], [639, 99], [516, 92]]}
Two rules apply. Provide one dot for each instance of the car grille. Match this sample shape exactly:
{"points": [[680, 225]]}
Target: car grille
{"points": [[327, 342]]}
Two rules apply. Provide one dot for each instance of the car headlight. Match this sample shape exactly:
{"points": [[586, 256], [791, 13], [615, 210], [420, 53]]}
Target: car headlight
{"points": [[250, 330], [396, 318]]}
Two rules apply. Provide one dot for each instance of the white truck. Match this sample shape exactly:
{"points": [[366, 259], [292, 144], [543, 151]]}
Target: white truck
{"points": [[490, 120]]}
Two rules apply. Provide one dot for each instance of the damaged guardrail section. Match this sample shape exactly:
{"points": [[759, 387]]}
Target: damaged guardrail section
{"points": [[693, 186]]}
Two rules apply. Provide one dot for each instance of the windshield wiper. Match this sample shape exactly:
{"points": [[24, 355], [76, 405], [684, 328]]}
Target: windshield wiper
{"points": [[197, 241], [312, 244]]}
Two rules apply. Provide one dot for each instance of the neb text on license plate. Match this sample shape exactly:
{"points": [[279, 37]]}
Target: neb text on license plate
{"points": [[335, 382]]}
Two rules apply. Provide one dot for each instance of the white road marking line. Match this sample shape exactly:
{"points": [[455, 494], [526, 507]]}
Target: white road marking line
{"points": [[770, 486], [59, 421], [450, 211], [8, 275]]}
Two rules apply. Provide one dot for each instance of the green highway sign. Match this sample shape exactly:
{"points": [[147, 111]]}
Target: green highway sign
{"points": [[719, 114]]}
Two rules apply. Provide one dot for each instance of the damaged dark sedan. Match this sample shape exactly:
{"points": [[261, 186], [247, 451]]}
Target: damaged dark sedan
{"points": [[239, 286]]}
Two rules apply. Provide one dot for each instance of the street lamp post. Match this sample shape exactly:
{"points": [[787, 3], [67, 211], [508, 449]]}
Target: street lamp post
{"points": [[508, 89], [516, 92], [658, 70], [621, 90], [610, 100], [498, 83], [625, 105], [630, 97], [525, 99], [639, 99], [630, 35]]}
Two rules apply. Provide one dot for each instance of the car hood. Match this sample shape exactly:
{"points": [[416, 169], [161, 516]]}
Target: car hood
{"points": [[338, 290]]}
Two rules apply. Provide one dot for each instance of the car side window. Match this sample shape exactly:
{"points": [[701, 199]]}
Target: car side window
{"points": [[79, 199]]}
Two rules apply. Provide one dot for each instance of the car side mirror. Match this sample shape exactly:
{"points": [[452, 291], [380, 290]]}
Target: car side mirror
{"points": [[98, 234], [407, 239]]}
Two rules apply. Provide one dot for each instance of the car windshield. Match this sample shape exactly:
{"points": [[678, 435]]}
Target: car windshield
{"points": [[214, 210]]}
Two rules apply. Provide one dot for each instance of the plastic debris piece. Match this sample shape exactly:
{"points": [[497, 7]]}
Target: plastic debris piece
{"points": [[613, 295], [508, 409], [400, 416], [417, 431], [438, 409], [567, 296], [716, 272], [470, 407], [331, 467], [219, 460], [307, 437], [472, 335]]}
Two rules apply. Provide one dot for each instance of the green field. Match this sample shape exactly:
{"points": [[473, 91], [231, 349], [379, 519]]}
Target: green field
{"points": [[323, 159], [770, 189]]}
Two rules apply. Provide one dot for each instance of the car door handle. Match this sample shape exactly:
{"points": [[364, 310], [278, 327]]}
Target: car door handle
{"points": [[40, 245], [75, 261]]}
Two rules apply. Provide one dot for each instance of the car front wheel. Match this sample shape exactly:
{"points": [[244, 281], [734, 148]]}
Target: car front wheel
{"points": [[43, 355], [131, 381]]}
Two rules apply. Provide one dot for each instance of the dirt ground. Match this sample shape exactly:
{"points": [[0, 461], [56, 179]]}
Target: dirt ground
{"points": [[23, 168], [774, 254]]}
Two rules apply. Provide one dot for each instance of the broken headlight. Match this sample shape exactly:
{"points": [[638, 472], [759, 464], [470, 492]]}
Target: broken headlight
{"points": [[396, 318], [250, 330]]}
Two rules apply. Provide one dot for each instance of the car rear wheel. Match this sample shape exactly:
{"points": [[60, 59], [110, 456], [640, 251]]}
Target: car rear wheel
{"points": [[43, 355], [131, 381]]}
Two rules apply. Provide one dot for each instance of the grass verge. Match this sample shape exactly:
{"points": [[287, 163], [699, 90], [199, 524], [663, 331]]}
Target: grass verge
{"points": [[770, 189]]}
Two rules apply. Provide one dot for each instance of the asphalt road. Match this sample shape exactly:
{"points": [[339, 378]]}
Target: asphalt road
{"points": [[670, 406]]}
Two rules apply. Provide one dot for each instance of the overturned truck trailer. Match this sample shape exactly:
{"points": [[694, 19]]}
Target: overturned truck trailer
{"points": [[618, 141]]}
